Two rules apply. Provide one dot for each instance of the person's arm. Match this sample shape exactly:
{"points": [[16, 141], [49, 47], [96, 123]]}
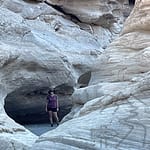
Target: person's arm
{"points": [[46, 104], [57, 104], [46, 107]]}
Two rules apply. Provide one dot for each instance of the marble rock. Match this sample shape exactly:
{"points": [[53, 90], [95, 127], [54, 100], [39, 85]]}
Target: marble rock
{"points": [[113, 111], [42, 47]]}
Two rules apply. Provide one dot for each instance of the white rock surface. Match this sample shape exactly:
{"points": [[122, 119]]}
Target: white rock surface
{"points": [[113, 112], [103, 19], [39, 48], [37, 42]]}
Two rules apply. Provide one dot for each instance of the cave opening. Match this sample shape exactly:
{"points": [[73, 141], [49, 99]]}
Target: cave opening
{"points": [[84, 79], [26, 106], [131, 2]]}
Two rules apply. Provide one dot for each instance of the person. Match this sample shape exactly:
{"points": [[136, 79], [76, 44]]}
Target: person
{"points": [[52, 106]]}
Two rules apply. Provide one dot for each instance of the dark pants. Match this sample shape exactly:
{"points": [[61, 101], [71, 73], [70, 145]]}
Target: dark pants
{"points": [[52, 109]]}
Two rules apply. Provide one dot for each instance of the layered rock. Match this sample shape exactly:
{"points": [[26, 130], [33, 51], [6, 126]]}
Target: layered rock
{"points": [[104, 19], [113, 112], [37, 58], [13, 135], [94, 12], [41, 48], [34, 55], [56, 55]]}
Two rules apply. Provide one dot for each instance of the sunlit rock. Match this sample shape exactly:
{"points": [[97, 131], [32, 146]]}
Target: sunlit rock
{"points": [[42, 46], [113, 111]]}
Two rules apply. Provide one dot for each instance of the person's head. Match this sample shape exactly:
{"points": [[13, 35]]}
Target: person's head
{"points": [[51, 91]]}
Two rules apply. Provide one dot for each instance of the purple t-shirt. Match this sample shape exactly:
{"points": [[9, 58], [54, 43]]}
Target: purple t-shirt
{"points": [[52, 101]]}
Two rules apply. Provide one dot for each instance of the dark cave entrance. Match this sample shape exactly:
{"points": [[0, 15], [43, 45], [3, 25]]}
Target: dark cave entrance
{"points": [[28, 106], [84, 79], [131, 2]]}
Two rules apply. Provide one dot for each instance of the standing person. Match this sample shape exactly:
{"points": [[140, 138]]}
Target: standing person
{"points": [[52, 106]]}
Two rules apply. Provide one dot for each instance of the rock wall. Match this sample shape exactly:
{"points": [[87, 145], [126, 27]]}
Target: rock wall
{"points": [[113, 111], [34, 56], [104, 19], [43, 45]]}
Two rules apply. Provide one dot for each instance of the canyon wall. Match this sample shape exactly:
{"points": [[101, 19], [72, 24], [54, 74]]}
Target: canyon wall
{"points": [[113, 111], [64, 44]]}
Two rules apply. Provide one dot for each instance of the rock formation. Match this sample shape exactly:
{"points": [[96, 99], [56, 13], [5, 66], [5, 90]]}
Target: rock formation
{"points": [[104, 19], [46, 45], [37, 56], [113, 111]]}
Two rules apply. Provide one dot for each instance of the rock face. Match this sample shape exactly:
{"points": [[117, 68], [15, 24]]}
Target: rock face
{"points": [[35, 54], [113, 111], [104, 19], [43, 45], [38, 58], [13, 135], [41, 48]]}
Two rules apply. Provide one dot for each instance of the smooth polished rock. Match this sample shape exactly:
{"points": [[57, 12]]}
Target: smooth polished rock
{"points": [[113, 111], [38, 49], [103, 19], [34, 57], [41, 48]]}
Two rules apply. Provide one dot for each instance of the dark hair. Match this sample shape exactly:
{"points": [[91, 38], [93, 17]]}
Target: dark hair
{"points": [[50, 90]]}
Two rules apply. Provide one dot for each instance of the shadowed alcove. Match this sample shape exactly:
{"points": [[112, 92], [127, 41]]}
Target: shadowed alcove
{"points": [[131, 2], [84, 79], [27, 106]]}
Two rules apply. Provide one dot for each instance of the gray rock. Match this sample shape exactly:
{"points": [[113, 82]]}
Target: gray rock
{"points": [[41, 48], [113, 111]]}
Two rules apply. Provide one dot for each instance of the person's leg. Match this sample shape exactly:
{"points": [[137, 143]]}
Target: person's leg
{"points": [[51, 117], [56, 117]]}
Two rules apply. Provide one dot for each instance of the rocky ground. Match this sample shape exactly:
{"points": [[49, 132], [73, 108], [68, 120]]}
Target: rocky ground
{"points": [[39, 129]]}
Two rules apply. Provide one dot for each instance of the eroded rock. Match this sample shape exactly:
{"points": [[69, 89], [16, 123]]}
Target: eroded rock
{"points": [[34, 55], [104, 19], [41, 48], [113, 112]]}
